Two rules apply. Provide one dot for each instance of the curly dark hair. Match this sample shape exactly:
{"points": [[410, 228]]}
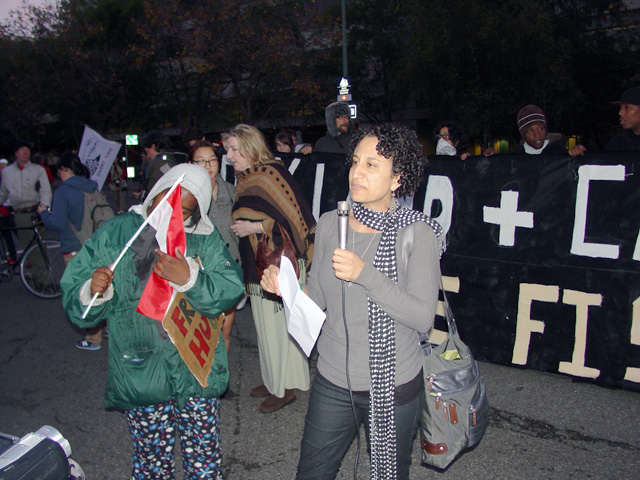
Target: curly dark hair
{"points": [[456, 134], [401, 145]]}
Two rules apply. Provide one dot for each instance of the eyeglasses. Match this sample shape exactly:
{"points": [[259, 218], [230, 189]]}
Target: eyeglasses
{"points": [[444, 137], [208, 163]]}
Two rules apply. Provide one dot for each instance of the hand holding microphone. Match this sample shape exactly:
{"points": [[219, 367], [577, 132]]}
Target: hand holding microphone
{"points": [[343, 224], [346, 265]]}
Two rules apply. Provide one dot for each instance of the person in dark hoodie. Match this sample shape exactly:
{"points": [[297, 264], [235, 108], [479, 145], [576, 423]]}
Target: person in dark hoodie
{"points": [[340, 128], [68, 206], [532, 124]]}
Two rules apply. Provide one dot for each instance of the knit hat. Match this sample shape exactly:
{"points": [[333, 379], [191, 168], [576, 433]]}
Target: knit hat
{"points": [[528, 115], [630, 95]]}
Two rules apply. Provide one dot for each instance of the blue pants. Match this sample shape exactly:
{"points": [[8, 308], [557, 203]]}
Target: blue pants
{"points": [[330, 428]]}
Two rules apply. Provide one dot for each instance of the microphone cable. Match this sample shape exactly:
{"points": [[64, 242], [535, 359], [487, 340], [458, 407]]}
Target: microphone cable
{"points": [[353, 405]]}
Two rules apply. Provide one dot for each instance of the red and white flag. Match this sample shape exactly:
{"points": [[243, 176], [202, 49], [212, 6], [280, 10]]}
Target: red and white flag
{"points": [[170, 234]]}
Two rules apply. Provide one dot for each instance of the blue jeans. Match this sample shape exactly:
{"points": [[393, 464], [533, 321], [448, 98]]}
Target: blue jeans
{"points": [[329, 429]]}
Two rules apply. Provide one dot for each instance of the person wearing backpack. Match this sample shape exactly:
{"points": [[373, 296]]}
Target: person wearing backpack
{"points": [[67, 211]]}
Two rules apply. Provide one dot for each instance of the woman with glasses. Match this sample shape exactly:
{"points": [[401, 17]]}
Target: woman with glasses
{"points": [[223, 196]]}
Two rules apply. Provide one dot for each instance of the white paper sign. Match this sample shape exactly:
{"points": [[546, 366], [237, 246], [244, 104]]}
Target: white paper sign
{"points": [[304, 318]]}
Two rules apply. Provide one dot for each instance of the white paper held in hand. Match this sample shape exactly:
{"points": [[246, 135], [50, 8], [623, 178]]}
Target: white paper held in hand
{"points": [[304, 318]]}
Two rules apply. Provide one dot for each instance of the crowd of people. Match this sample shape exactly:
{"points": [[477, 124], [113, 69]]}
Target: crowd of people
{"points": [[368, 358]]}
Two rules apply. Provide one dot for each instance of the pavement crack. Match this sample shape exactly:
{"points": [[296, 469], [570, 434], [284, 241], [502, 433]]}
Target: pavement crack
{"points": [[539, 429]]}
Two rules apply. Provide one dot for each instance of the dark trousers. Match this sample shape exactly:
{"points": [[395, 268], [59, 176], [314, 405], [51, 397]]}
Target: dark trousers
{"points": [[9, 222], [330, 427]]}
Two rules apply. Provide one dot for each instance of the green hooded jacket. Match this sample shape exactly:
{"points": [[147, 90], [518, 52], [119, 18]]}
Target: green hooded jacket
{"points": [[144, 366]]}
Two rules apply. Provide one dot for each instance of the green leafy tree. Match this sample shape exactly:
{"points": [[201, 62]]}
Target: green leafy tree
{"points": [[70, 66], [377, 41], [604, 60], [479, 61]]}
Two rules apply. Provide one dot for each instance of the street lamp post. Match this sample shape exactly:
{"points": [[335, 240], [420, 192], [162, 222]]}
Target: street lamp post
{"points": [[345, 70]]}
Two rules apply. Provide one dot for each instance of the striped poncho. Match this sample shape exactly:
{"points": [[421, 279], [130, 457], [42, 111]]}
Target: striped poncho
{"points": [[269, 194]]}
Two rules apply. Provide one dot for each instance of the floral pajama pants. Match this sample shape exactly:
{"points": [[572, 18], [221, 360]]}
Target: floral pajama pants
{"points": [[153, 430]]}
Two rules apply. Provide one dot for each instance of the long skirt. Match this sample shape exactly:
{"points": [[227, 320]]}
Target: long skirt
{"points": [[282, 363]]}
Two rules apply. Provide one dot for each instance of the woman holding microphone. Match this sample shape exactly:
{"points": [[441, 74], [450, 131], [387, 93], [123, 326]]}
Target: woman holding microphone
{"points": [[368, 354]]}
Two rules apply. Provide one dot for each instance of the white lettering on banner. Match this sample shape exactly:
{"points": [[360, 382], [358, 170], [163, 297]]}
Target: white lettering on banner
{"points": [[317, 190], [450, 284], [633, 373], [294, 165], [439, 188], [582, 302], [525, 324], [636, 251], [508, 218], [587, 173]]}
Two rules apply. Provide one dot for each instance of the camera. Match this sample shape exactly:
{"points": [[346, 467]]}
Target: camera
{"points": [[43, 454]]}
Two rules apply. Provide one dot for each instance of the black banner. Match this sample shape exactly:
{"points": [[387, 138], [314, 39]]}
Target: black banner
{"points": [[542, 266]]}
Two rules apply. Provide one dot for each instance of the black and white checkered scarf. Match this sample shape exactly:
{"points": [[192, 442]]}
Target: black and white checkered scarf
{"points": [[382, 335]]}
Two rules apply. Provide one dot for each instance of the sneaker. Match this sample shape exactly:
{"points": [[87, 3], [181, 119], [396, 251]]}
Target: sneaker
{"points": [[84, 345]]}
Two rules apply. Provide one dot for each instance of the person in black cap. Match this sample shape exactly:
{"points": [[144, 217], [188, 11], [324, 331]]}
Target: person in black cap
{"points": [[340, 128], [629, 139]]}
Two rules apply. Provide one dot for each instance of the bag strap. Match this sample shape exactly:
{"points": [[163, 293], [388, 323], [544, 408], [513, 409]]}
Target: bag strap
{"points": [[423, 338]]}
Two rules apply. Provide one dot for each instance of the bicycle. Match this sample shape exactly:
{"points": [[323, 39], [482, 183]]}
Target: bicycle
{"points": [[45, 283]]}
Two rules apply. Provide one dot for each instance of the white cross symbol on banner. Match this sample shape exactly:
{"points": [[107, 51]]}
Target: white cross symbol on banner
{"points": [[508, 218]]}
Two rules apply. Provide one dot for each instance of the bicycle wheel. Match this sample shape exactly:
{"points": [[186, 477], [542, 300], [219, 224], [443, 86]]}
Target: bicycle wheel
{"points": [[41, 274]]}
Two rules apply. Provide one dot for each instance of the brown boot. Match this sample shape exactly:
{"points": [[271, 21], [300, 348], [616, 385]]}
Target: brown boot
{"points": [[259, 391], [273, 403]]}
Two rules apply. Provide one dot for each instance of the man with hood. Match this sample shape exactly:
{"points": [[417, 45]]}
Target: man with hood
{"points": [[146, 377], [340, 128]]}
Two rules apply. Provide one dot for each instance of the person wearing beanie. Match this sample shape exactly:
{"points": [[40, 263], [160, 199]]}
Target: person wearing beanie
{"points": [[629, 139], [340, 128], [532, 124]]}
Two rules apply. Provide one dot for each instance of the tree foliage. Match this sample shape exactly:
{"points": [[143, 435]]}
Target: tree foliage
{"points": [[132, 65]]}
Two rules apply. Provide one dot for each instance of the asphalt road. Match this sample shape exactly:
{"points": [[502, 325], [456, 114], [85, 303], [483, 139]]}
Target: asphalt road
{"points": [[542, 425]]}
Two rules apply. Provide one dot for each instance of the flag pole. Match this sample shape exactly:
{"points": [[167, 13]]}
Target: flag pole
{"points": [[133, 238]]}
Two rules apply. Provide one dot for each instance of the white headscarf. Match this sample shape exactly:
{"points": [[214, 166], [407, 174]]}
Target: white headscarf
{"points": [[197, 182]]}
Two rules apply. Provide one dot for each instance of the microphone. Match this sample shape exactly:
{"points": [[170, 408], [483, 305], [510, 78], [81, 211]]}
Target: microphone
{"points": [[343, 222]]}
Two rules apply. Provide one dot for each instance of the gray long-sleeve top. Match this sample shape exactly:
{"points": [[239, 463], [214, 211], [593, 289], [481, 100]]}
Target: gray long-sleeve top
{"points": [[411, 302]]}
